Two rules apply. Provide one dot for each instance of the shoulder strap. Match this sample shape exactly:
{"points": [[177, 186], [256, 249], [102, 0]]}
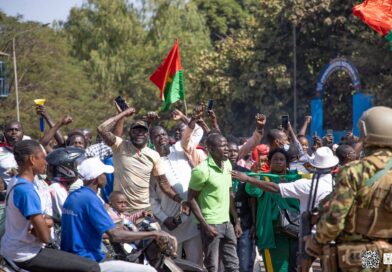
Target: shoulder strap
{"points": [[8, 195], [380, 173]]}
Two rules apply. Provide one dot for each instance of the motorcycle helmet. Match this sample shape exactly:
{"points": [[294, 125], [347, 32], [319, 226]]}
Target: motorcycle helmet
{"points": [[63, 162]]}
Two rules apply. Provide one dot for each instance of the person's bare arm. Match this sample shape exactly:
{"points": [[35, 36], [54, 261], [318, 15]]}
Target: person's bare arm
{"points": [[49, 134], [214, 120], [122, 236], [118, 129], [266, 186], [192, 196], [308, 120], [256, 137], [203, 125], [40, 228], [234, 215], [252, 204], [105, 128], [168, 190], [177, 115], [41, 110]]}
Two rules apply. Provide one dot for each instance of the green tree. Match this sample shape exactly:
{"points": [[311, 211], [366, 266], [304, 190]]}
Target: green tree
{"points": [[46, 70], [251, 70]]}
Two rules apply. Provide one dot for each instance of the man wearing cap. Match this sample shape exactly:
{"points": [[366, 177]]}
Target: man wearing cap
{"points": [[359, 215], [135, 163], [85, 220]]}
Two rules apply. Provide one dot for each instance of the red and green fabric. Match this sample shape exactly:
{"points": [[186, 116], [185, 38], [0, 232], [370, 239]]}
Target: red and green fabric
{"points": [[378, 15], [169, 78]]}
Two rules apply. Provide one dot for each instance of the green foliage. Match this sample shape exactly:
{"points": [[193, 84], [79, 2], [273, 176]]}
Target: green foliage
{"points": [[238, 52], [261, 79], [46, 70]]}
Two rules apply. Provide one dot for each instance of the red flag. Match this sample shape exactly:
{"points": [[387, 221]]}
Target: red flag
{"points": [[167, 70], [377, 14]]}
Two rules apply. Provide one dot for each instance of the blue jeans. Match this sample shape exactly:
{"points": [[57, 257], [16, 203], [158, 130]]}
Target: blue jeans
{"points": [[246, 251]]}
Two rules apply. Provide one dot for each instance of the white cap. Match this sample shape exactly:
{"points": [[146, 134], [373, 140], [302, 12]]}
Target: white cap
{"points": [[324, 158], [92, 168]]}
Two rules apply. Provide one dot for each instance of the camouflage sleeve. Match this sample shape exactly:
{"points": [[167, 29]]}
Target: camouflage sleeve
{"points": [[332, 221]]}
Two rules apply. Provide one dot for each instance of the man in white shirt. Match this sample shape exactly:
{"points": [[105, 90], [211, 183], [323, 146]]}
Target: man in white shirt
{"points": [[178, 172]]}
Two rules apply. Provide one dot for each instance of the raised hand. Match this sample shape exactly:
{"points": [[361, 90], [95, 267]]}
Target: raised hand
{"points": [[128, 112], [152, 115], [41, 110], [177, 115], [198, 111], [260, 120], [211, 115], [66, 120], [308, 119]]}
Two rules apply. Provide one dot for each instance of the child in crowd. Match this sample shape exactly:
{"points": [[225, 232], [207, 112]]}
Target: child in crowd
{"points": [[117, 206]]}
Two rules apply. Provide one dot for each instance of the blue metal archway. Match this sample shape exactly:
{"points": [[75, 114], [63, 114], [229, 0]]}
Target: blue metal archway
{"points": [[361, 102]]}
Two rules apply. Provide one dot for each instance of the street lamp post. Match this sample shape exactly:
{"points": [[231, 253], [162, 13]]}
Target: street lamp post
{"points": [[15, 68]]}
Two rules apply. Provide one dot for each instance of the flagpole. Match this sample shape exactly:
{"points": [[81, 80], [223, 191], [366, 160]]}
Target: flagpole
{"points": [[186, 108]]}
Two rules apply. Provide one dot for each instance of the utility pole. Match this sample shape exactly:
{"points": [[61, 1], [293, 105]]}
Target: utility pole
{"points": [[295, 75], [15, 80], [15, 68]]}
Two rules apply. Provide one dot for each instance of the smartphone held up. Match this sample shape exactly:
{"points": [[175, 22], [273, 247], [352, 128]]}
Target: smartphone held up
{"points": [[285, 122], [120, 101]]}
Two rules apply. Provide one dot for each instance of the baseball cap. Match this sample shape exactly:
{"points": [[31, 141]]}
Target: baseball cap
{"points": [[92, 168], [139, 123]]}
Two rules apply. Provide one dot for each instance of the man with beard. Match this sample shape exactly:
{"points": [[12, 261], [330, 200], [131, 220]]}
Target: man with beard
{"points": [[135, 163], [178, 172]]}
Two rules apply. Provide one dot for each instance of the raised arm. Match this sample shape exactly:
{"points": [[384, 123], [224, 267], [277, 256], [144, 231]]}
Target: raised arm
{"points": [[256, 137], [105, 128], [41, 110], [49, 134], [177, 115], [308, 120], [214, 120], [295, 141], [187, 143]]}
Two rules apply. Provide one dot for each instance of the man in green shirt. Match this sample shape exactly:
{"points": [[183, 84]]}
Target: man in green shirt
{"points": [[209, 197]]}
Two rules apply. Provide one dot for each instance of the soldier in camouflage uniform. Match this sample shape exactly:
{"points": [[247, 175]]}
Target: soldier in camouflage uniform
{"points": [[359, 214]]}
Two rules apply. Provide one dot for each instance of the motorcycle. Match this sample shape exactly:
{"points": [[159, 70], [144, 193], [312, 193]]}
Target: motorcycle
{"points": [[159, 254]]}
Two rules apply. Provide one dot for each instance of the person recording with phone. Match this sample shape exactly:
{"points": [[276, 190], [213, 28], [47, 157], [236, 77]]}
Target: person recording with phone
{"points": [[135, 163]]}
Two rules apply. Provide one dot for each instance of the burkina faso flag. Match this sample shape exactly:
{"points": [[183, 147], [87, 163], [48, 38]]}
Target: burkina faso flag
{"points": [[169, 78], [378, 15]]}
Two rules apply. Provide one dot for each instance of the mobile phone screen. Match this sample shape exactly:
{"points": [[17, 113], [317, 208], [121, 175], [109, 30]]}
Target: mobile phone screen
{"points": [[121, 103], [210, 104], [285, 121]]}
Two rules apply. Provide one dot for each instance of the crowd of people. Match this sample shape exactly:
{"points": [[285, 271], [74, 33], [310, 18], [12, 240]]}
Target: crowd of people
{"points": [[222, 198]]}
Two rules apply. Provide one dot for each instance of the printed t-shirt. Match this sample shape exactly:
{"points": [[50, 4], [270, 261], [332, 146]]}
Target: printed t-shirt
{"points": [[133, 170], [84, 222], [213, 185], [17, 243]]}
